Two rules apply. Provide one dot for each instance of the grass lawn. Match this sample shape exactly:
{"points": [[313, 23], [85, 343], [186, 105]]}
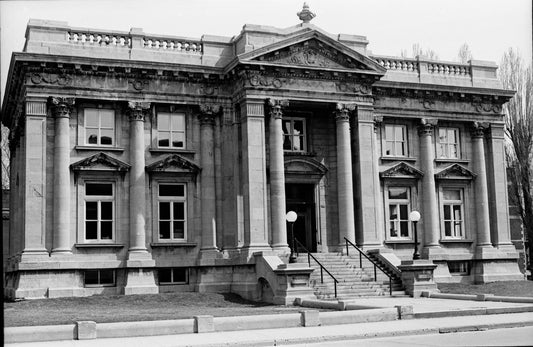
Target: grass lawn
{"points": [[127, 308], [508, 288]]}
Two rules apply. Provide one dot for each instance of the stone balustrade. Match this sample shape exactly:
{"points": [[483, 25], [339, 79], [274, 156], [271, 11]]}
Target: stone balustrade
{"points": [[99, 38], [414, 65], [449, 69], [172, 44], [402, 64]]}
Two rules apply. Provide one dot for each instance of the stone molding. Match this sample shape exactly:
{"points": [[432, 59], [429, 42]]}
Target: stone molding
{"points": [[455, 172], [100, 162], [137, 110], [61, 106], [276, 107], [401, 170], [342, 111], [173, 163]]}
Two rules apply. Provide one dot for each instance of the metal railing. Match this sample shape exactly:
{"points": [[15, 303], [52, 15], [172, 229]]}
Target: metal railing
{"points": [[322, 268], [376, 266]]}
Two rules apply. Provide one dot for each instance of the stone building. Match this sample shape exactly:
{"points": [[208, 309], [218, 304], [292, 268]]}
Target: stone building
{"points": [[144, 163]]}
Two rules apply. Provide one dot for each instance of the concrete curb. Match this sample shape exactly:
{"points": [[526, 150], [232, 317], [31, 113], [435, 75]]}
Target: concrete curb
{"points": [[478, 297]]}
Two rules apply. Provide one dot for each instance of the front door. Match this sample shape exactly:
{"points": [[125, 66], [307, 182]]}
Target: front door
{"points": [[301, 199]]}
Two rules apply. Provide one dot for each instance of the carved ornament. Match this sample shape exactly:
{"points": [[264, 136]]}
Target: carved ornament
{"points": [[426, 126], [353, 88], [61, 106], [401, 170], [208, 112], [174, 163], [275, 107], [139, 84], [100, 162], [137, 110], [486, 107], [342, 111], [255, 79], [305, 14], [478, 129], [48, 78], [455, 171]]}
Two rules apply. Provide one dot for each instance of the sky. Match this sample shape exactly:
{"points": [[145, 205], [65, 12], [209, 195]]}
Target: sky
{"points": [[489, 27]]}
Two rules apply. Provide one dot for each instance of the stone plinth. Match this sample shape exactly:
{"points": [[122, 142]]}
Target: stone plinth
{"points": [[417, 276]]}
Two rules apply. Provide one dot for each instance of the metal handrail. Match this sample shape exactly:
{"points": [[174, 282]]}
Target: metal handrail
{"points": [[361, 254], [309, 256]]}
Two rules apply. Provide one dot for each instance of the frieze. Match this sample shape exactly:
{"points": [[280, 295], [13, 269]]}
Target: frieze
{"points": [[353, 88], [50, 78], [139, 84], [255, 79]]}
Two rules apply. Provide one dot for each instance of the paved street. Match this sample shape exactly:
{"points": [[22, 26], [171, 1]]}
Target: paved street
{"points": [[497, 337]]}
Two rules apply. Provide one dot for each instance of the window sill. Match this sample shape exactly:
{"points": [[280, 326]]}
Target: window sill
{"points": [[171, 150], [173, 244], [98, 245], [383, 158], [456, 241], [299, 154], [399, 241], [450, 160], [99, 148]]}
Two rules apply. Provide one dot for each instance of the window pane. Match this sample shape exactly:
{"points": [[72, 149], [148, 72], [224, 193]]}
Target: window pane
{"points": [[164, 230], [447, 229], [447, 214], [389, 150], [91, 210], [393, 231], [452, 136], [398, 133], [91, 230], [403, 212], [164, 210], [180, 275], [105, 189], [286, 126], [91, 118], [171, 190], [106, 212], [178, 122], [163, 139], [165, 275], [398, 193], [178, 140], [107, 119], [106, 230], [179, 210], [442, 135], [107, 136], [454, 151], [401, 148], [404, 229], [457, 213], [298, 127], [389, 132], [393, 212], [92, 136], [163, 121], [179, 230], [91, 276], [452, 194], [107, 276]]}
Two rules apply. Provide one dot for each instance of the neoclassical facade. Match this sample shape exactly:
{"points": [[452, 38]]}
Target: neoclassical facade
{"points": [[144, 163]]}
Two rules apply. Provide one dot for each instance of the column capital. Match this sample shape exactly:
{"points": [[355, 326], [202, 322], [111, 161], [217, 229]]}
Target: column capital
{"points": [[426, 126], [378, 121], [61, 106], [342, 111], [208, 112], [275, 107], [137, 110], [478, 129]]}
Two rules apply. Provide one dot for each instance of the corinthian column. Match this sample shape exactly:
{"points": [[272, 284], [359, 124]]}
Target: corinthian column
{"points": [[430, 212], [278, 225], [61, 108], [207, 161], [481, 191], [344, 174], [137, 178]]}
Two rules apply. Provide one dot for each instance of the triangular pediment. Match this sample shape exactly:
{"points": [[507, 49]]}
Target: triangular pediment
{"points": [[304, 166], [455, 171], [174, 163], [312, 49], [100, 162], [401, 170]]}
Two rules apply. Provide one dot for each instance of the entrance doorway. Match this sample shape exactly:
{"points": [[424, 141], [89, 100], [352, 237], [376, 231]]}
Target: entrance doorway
{"points": [[300, 198]]}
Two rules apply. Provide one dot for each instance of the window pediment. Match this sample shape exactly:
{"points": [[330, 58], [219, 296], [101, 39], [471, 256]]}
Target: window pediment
{"points": [[304, 166], [100, 162], [401, 170], [455, 171], [174, 163]]}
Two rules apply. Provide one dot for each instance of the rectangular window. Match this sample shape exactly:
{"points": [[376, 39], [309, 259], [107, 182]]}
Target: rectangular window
{"points": [[452, 210], [170, 130], [99, 127], [172, 211], [395, 142], [294, 134], [177, 275], [448, 146], [99, 211], [460, 268], [99, 278], [399, 209]]}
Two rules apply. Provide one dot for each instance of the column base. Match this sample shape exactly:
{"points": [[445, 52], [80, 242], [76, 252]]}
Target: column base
{"points": [[208, 256], [140, 281], [31, 255], [432, 252], [139, 259]]}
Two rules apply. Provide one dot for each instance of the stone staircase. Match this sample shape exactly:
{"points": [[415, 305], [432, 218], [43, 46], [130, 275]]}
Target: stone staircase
{"points": [[354, 281]]}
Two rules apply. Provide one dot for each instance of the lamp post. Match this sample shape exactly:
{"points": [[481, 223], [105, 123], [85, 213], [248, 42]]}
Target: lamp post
{"points": [[414, 217], [291, 218]]}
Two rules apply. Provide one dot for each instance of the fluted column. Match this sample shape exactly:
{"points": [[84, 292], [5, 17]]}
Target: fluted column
{"points": [[481, 191], [137, 178], [344, 174], [430, 212], [61, 108], [207, 189], [278, 224]]}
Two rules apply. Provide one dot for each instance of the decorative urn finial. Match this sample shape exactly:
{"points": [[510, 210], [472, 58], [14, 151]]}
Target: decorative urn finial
{"points": [[305, 14]]}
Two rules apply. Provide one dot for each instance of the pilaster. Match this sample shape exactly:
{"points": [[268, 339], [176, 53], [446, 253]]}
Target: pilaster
{"points": [[61, 108], [430, 212], [344, 174], [278, 224]]}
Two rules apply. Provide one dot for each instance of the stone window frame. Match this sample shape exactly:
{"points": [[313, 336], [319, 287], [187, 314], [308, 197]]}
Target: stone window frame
{"points": [[170, 178], [99, 199], [459, 144], [384, 140], [171, 131], [80, 116], [172, 199], [465, 188], [188, 146], [305, 136], [119, 191], [173, 282], [99, 285], [412, 194]]}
